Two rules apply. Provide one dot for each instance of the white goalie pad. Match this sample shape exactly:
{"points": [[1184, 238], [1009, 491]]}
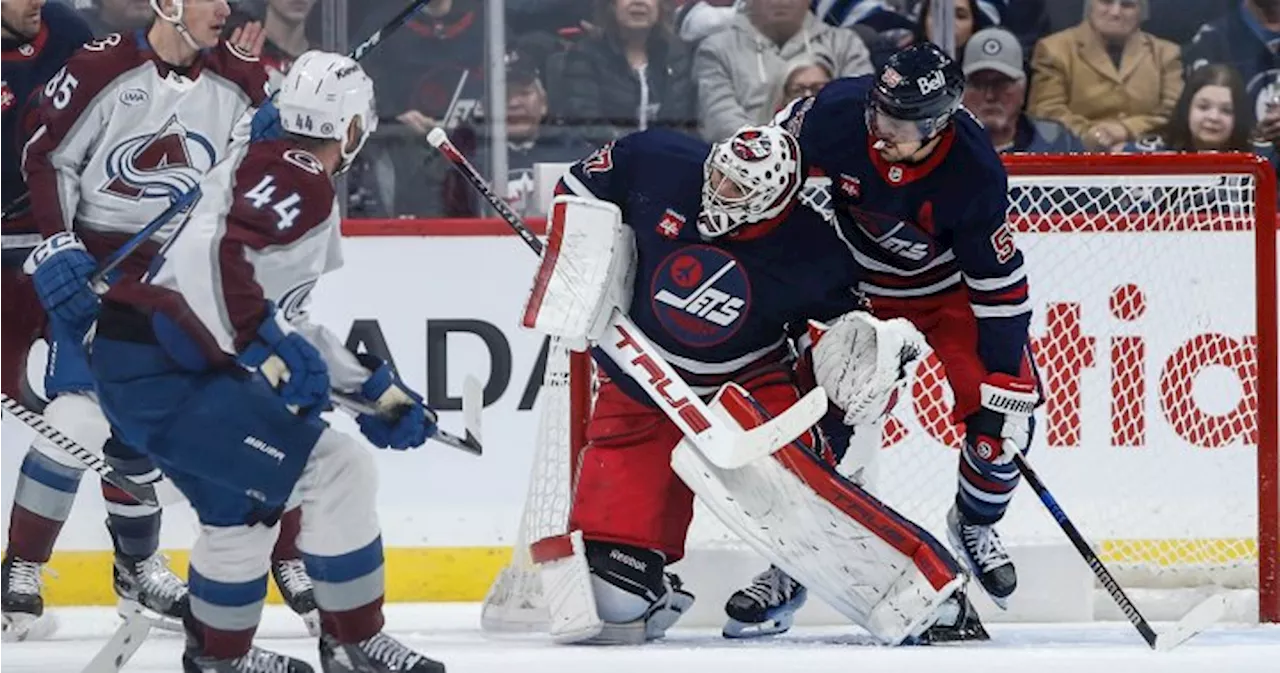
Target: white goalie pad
{"points": [[587, 270], [566, 587], [875, 568], [861, 361]]}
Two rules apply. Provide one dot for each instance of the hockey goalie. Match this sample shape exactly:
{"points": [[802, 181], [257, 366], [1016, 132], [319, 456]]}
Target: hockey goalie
{"points": [[725, 302]]}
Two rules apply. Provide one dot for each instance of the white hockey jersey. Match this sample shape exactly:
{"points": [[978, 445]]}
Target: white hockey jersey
{"points": [[120, 135], [266, 228]]}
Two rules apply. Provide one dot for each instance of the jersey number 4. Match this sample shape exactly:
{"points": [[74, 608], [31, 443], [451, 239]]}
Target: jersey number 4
{"points": [[287, 208]]}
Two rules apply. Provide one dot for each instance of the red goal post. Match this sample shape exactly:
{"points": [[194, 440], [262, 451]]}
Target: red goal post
{"points": [[1154, 284]]}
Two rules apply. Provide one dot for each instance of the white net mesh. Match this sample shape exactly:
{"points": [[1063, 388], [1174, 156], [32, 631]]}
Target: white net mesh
{"points": [[1144, 330]]}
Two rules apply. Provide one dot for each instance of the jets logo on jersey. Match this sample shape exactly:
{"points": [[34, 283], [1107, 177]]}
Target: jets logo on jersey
{"points": [[904, 240], [700, 294], [600, 161], [671, 224], [751, 146], [165, 164]]}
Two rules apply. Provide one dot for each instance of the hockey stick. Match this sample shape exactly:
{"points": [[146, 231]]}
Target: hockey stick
{"points": [[724, 444], [119, 648], [179, 204], [471, 406], [143, 494], [1200, 617]]}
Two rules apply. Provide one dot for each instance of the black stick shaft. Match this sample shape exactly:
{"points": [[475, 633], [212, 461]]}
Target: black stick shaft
{"points": [[440, 140]]}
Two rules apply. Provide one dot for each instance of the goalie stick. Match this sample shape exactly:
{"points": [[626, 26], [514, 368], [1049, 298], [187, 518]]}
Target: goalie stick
{"points": [[1199, 618], [143, 494], [97, 281], [727, 446]]}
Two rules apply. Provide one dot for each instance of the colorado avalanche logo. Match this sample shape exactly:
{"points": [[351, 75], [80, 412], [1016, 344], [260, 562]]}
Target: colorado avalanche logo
{"points": [[750, 146], [700, 295], [162, 165]]}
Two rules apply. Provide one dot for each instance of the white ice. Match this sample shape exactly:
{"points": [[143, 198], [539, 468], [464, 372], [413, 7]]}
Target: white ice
{"points": [[450, 632]]}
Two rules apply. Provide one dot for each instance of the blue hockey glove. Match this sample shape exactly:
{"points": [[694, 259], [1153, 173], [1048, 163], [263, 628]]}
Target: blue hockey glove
{"points": [[60, 268], [289, 363], [403, 421], [266, 123]]}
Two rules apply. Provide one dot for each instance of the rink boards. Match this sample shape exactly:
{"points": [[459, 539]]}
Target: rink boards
{"points": [[446, 306]]}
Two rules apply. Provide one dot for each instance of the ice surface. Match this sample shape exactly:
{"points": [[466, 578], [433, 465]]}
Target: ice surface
{"points": [[449, 632]]}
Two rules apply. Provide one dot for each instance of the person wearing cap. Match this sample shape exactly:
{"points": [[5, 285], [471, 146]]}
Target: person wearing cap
{"points": [[1106, 79], [995, 89]]}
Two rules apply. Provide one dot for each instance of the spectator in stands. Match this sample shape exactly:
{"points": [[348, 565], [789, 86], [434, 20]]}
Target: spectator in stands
{"points": [[529, 141], [735, 68], [805, 77], [1105, 79], [632, 75], [995, 89], [1213, 114], [117, 16], [968, 20], [286, 22], [1247, 38]]}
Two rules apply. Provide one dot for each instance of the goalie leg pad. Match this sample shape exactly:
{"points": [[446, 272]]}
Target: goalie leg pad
{"points": [[587, 270], [626, 490], [862, 558]]}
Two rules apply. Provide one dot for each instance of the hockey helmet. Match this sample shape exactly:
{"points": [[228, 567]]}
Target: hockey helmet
{"points": [[750, 178], [915, 95], [321, 94]]}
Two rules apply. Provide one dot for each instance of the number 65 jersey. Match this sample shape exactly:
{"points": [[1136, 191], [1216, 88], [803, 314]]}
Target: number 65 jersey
{"points": [[265, 229]]}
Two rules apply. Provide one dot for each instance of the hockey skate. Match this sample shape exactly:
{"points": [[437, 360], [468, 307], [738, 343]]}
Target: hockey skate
{"points": [[150, 587], [256, 660], [24, 617], [297, 590], [767, 607], [957, 621], [985, 556], [379, 654]]}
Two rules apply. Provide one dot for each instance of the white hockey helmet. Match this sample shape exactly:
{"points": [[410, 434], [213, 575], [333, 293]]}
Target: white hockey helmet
{"points": [[321, 94], [750, 178]]}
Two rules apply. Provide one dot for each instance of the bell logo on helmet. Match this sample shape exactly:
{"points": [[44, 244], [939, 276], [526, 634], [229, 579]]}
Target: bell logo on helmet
{"points": [[931, 83], [751, 146]]}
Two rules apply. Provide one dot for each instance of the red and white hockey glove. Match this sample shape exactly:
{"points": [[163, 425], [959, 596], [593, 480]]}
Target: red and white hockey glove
{"points": [[861, 361], [1007, 405]]}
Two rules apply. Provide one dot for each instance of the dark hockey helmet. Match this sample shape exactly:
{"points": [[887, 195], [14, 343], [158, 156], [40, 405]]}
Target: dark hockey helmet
{"points": [[920, 85]]}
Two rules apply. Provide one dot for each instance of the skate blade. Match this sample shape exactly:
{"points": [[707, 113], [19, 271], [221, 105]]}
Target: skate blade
{"points": [[736, 630], [22, 627], [127, 608], [312, 620]]}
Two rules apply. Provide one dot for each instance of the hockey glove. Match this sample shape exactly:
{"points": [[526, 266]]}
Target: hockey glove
{"points": [[1007, 405], [289, 363], [402, 421], [861, 361], [266, 123], [60, 268]]}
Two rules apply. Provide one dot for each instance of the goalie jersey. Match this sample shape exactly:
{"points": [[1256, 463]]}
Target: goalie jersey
{"points": [[923, 231], [717, 310]]}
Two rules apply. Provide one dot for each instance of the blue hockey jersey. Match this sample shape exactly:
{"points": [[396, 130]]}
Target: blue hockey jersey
{"points": [[28, 64], [927, 229], [721, 309]]}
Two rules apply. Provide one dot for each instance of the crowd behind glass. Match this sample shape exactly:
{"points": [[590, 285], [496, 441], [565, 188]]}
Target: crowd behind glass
{"points": [[1043, 75]]}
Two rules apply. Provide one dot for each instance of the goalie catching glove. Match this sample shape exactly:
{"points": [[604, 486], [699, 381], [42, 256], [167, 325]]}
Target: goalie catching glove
{"points": [[587, 270], [862, 361], [403, 421]]}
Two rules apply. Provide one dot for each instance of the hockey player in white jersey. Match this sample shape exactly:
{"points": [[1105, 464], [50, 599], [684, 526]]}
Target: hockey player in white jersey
{"points": [[130, 124], [173, 362]]}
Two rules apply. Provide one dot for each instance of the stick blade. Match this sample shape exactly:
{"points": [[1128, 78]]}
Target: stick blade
{"points": [[1198, 619], [763, 440], [117, 651]]}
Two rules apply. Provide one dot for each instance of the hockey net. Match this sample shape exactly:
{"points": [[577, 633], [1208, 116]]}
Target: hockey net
{"points": [[1154, 286]]}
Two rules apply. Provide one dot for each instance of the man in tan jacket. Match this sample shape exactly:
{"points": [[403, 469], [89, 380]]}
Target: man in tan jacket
{"points": [[1105, 79]]}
